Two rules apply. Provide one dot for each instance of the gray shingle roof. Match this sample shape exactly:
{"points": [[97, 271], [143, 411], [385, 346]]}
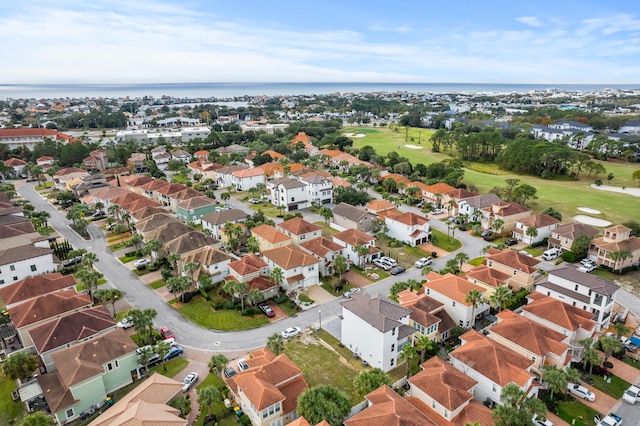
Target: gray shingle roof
{"points": [[381, 313], [595, 283]]}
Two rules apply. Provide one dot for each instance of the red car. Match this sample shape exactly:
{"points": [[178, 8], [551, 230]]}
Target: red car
{"points": [[267, 311], [166, 333]]}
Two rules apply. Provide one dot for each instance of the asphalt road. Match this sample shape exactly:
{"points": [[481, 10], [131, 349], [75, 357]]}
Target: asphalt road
{"points": [[193, 336]]}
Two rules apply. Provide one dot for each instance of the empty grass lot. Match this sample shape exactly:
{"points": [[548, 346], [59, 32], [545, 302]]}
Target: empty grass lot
{"points": [[563, 195], [199, 311], [444, 241]]}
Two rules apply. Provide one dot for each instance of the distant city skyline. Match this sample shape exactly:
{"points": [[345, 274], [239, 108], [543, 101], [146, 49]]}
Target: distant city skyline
{"points": [[117, 41]]}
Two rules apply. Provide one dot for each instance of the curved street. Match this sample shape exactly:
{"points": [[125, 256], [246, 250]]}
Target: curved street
{"points": [[190, 335]]}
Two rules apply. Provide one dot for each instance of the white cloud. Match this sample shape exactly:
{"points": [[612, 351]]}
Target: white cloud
{"points": [[532, 21]]}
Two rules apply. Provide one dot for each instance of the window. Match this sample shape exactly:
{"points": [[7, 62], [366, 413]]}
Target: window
{"points": [[574, 303], [576, 289], [69, 413], [393, 347], [495, 387], [392, 361], [34, 268], [1, 282], [393, 331], [548, 293], [15, 278], [453, 303], [12, 267], [433, 404]]}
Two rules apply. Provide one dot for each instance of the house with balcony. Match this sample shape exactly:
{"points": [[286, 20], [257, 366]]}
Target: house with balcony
{"points": [[510, 213], [246, 179], [268, 391], [428, 316], [350, 239], [410, 228], [575, 323], [319, 188], [451, 291], [212, 261], [375, 329], [346, 216], [288, 193], [324, 250], [542, 345], [563, 236], [205, 168], [543, 225], [382, 208], [522, 270], [386, 407], [586, 291], [136, 162], [224, 175], [248, 267], [269, 237], [472, 206], [616, 238], [301, 270], [97, 160], [488, 278], [493, 366], [453, 198], [435, 193], [299, 230]]}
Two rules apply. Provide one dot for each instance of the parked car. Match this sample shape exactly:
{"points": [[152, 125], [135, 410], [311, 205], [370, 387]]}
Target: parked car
{"points": [[581, 392], [125, 323], [628, 344], [141, 262], [268, 311], [631, 395], [290, 332], [242, 365], [511, 242], [486, 233], [525, 253], [255, 200], [588, 261], [610, 420], [166, 333], [382, 264], [174, 352], [587, 268], [389, 260], [437, 211], [189, 381], [537, 421], [552, 253], [422, 262], [397, 270], [347, 294], [73, 261], [229, 372]]}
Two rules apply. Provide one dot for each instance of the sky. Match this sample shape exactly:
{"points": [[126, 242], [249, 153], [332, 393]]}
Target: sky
{"points": [[400, 41]]}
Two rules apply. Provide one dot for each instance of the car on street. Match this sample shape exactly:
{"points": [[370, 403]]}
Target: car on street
{"points": [[397, 270], [511, 242], [290, 332], [189, 381], [587, 268], [242, 365], [141, 262], [631, 395], [73, 261], [166, 333], [174, 352], [422, 262], [268, 310], [347, 294], [581, 392], [125, 323], [229, 372]]}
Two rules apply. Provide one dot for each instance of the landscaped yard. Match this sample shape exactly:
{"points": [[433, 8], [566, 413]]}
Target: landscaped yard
{"points": [[576, 413], [267, 209], [157, 284], [327, 231], [615, 389], [476, 262], [127, 259], [174, 366], [199, 311], [217, 408], [444, 241], [10, 411]]}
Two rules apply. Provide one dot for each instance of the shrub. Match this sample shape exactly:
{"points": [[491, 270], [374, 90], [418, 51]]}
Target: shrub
{"points": [[230, 305], [305, 298], [204, 294], [250, 311], [598, 182], [281, 299], [217, 302], [568, 256]]}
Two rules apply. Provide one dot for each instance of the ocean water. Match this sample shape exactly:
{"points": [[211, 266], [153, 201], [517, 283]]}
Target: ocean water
{"points": [[232, 90]]}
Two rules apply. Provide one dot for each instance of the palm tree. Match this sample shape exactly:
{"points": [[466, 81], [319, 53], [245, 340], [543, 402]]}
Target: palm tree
{"points": [[326, 213], [462, 257], [208, 396], [572, 375], [609, 345], [135, 241], [277, 276], [425, 270], [408, 354], [555, 379], [120, 229], [620, 256], [254, 296], [253, 246], [89, 279], [497, 225], [191, 268], [424, 344], [144, 356], [153, 247], [172, 259], [37, 418], [162, 348], [531, 232], [361, 251], [340, 266], [620, 329], [501, 297], [235, 289], [591, 356], [217, 363], [275, 342], [88, 259], [369, 380], [474, 297]]}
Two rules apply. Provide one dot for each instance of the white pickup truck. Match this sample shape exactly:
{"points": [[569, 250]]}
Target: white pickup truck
{"points": [[610, 420]]}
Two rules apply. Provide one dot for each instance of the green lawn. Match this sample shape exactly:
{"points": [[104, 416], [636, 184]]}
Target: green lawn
{"points": [[127, 259], [614, 207], [533, 251], [327, 231], [200, 312], [178, 178], [267, 209], [632, 362], [572, 412], [605, 274], [11, 412], [615, 389], [211, 380], [157, 284], [174, 366], [477, 261], [43, 186], [445, 242]]}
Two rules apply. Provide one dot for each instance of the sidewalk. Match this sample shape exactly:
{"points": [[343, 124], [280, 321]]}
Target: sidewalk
{"points": [[624, 371]]}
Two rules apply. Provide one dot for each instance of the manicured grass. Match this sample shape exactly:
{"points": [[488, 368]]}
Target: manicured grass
{"points": [[174, 366], [365, 274], [211, 380], [605, 274], [287, 309], [157, 284], [178, 178], [43, 186], [631, 361], [267, 209], [11, 412], [445, 242], [615, 389], [572, 412], [141, 272], [327, 231], [533, 251], [321, 365], [200, 312], [127, 259], [477, 261]]}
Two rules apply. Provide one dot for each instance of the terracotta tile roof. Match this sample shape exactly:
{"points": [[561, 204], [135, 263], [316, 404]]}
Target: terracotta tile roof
{"points": [[566, 316], [528, 334], [387, 408], [410, 219], [632, 244], [269, 233], [201, 153], [379, 312], [248, 173], [397, 178], [300, 137], [35, 286], [539, 220], [503, 209], [14, 162], [514, 260], [439, 188], [454, 287], [275, 155], [353, 237], [460, 193], [488, 276], [154, 185], [187, 193], [330, 152], [375, 206], [573, 231], [493, 360], [247, 265], [618, 229], [474, 412], [298, 226], [71, 328], [27, 131], [171, 189], [269, 168], [300, 421], [68, 171], [443, 382], [47, 306], [289, 257], [143, 413], [261, 283], [321, 246], [338, 181], [422, 307]]}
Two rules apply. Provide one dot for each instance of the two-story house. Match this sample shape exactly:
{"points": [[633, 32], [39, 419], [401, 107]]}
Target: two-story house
{"points": [[246, 179], [563, 236], [586, 291], [213, 262], [299, 230], [488, 278], [224, 175], [194, 208], [21, 258], [451, 291], [268, 391], [410, 228], [255, 272], [542, 345], [471, 207], [575, 323], [428, 316], [493, 366], [509, 213], [522, 269], [324, 250], [386, 407], [346, 216], [319, 188], [301, 270], [375, 329], [269, 237], [616, 238], [216, 221], [36, 286], [351, 240], [290, 194], [542, 223]]}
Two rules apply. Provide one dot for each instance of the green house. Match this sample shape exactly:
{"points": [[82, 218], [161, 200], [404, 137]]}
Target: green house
{"points": [[192, 209]]}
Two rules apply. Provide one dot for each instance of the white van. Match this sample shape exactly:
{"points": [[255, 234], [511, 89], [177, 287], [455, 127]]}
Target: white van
{"points": [[551, 254]]}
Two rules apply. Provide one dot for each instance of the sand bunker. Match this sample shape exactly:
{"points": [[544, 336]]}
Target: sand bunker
{"points": [[588, 210], [588, 220], [631, 191], [413, 146], [354, 135]]}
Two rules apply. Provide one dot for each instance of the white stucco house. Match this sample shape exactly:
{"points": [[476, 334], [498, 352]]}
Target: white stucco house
{"points": [[410, 228], [289, 193]]}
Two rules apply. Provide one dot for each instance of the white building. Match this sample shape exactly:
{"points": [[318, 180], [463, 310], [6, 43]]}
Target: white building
{"points": [[247, 179], [452, 291], [287, 192], [410, 228], [319, 189], [21, 261]]}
